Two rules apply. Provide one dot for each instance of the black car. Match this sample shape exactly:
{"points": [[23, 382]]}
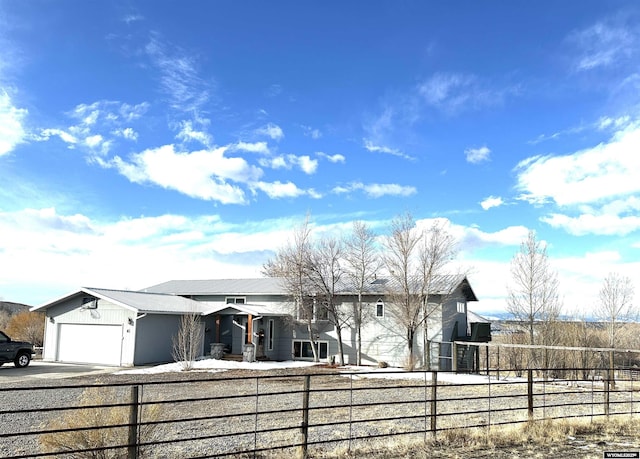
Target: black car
{"points": [[18, 352]]}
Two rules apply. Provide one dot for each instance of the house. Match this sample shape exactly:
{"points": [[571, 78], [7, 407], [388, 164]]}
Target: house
{"points": [[250, 317]]}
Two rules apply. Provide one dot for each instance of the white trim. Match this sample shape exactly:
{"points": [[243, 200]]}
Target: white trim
{"points": [[319, 343]]}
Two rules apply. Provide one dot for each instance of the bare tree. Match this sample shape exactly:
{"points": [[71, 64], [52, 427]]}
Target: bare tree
{"points": [[400, 260], [187, 342], [436, 249], [363, 262], [292, 265], [533, 291], [326, 272], [616, 296], [415, 260]]}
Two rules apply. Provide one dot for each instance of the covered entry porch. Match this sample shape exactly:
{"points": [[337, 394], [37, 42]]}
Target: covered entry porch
{"points": [[246, 332]]}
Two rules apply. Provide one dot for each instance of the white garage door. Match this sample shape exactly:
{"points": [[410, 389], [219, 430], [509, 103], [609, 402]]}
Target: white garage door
{"points": [[81, 343]]}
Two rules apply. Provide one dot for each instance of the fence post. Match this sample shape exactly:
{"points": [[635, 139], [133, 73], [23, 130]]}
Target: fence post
{"points": [[530, 393], [434, 395], [134, 410], [305, 417], [488, 361], [454, 357]]}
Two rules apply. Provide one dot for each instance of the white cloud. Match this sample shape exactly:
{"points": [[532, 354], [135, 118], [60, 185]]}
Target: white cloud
{"points": [[203, 174], [315, 134], [305, 163], [595, 188], [471, 237], [491, 201], [97, 127], [276, 162], [447, 88], [12, 119], [278, 189], [605, 44], [94, 141], [179, 77], [620, 122], [49, 252], [308, 165], [372, 147], [477, 155], [133, 112], [376, 190], [605, 171], [337, 158], [604, 224], [252, 147], [271, 130], [129, 18], [188, 133], [510, 236], [63, 135], [126, 133], [455, 92]]}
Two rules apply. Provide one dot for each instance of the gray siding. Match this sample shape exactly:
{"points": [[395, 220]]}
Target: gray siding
{"points": [[154, 334]]}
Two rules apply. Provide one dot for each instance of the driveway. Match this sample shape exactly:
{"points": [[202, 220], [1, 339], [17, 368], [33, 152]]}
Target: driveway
{"points": [[39, 370]]}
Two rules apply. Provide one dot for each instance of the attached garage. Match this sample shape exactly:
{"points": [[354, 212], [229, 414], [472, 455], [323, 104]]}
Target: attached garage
{"points": [[102, 344], [113, 327]]}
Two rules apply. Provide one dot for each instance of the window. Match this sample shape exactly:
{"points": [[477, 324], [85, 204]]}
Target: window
{"points": [[302, 349], [311, 306], [461, 308], [89, 303], [380, 308], [235, 300], [272, 330], [320, 311]]}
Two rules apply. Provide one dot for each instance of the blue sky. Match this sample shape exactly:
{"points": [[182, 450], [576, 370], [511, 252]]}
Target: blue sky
{"points": [[156, 140]]}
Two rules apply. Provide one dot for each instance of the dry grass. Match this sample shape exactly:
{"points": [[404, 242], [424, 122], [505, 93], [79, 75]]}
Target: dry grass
{"points": [[102, 437], [533, 439]]}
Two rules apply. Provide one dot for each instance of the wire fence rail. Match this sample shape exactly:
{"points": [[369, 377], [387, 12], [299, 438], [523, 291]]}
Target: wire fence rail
{"points": [[297, 415]]}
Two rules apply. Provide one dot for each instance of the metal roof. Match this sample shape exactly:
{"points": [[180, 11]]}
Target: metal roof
{"points": [[166, 298], [242, 309], [441, 285], [152, 303], [254, 286], [149, 302]]}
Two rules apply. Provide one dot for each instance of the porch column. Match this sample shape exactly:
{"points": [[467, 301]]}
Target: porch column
{"points": [[217, 340], [249, 329]]}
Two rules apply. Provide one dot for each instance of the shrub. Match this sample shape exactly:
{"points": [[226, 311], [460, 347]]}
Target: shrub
{"points": [[187, 342], [27, 326], [103, 436]]}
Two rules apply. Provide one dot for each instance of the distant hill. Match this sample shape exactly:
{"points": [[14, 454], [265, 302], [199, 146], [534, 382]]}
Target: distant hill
{"points": [[13, 308]]}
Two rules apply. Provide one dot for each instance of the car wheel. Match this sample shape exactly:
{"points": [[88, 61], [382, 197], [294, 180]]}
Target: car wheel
{"points": [[22, 360]]}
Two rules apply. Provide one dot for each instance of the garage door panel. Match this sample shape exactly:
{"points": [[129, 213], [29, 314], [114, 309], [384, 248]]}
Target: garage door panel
{"points": [[85, 343]]}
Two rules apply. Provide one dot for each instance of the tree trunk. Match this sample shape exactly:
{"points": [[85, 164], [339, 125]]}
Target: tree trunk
{"points": [[313, 341], [410, 333], [340, 349], [358, 323]]}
